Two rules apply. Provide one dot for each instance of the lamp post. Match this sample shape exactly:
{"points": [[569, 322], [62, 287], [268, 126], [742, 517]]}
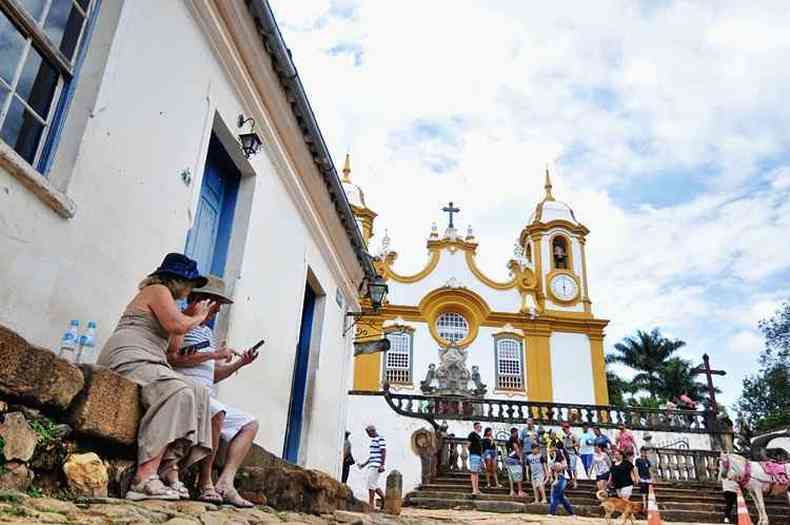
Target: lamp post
{"points": [[376, 293]]}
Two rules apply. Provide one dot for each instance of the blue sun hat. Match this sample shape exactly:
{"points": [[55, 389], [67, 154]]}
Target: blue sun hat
{"points": [[179, 265]]}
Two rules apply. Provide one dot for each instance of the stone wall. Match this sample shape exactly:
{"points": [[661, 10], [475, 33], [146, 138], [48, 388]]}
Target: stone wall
{"points": [[53, 413]]}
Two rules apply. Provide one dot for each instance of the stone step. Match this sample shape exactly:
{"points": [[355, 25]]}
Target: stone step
{"points": [[484, 505], [588, 499]]}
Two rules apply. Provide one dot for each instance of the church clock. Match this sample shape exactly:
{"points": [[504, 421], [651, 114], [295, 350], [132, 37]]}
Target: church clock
{"points": [[564, 287]]}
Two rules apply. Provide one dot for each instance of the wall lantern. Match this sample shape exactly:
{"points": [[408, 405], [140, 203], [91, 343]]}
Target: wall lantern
{"points": [[250, 142], [376, 292]]}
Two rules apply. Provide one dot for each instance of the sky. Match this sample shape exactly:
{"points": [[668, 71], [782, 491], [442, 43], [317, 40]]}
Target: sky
{"points": [[664, 125]]}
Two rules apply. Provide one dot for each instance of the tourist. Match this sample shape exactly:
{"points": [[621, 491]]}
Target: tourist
{"points": [[601, 438], [375, 465], [570, 445], [625, 441], [348, 458], [559, 470], [232, 428], [730, 489], [645, 477], [542, 442], [587, 448], [528, 436], [622, 475], [538, 473], [513, 463], [489, 457], [475, 457], [175, 430], [601, 463]]}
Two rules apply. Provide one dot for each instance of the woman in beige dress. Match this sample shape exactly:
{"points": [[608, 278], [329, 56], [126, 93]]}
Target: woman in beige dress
{"points": [[175, 429]]}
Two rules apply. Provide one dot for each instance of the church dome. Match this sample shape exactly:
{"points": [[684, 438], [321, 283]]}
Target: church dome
{"points": [[354, 194], [550, 209]]}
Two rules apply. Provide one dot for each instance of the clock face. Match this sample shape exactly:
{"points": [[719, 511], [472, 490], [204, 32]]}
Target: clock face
{"points": [[564, 287]]}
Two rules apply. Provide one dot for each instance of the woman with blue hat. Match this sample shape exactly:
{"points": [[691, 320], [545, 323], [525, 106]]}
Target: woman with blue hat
{"points": [[175, 429]]}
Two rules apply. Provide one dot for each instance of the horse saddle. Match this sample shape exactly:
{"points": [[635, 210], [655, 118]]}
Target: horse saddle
{"points": [[777, 472]]}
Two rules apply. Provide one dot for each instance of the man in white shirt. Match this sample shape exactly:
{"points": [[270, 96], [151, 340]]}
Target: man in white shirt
{"points": [[375, 465]]}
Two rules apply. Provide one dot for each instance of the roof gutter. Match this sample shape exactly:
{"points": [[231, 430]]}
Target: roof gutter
{"points": [[300, 106]]}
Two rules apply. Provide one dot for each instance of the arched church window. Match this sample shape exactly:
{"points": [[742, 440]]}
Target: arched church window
{"points": [[509, 364], [560, 251], [398, 359], [452, 327]]}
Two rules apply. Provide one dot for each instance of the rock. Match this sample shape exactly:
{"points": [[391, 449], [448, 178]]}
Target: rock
{"points": [[500, 506], [16, 477], [20, 440], [182, 521], [108, 407], [293, 488], [394, 493], [35, 374], [354, 518], [53, 505], [3, 406], [86, 475]]}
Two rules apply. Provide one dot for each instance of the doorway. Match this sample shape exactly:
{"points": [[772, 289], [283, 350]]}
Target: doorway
{"points": [[293, 432]]}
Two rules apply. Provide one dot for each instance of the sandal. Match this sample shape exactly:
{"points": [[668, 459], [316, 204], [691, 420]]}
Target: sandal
{"points": [[209, 495], [151, 488], [181, 489], [231, 495]]}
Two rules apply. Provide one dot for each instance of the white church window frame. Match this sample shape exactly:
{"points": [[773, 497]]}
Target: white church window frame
{"points": [[452, 327], [399, 359], [509, 363]]}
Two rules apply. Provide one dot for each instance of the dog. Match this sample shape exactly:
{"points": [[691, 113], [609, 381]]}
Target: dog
{"points": [[611, 505]]}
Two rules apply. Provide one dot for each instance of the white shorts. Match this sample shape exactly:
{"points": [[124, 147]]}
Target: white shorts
{"points": [[625, 492], [373, 478], [235, 419]]}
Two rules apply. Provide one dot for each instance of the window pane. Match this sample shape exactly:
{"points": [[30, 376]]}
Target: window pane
{"points": [[22, 130], [37, 83], [33, 7], [12, 45], [63, 26]]}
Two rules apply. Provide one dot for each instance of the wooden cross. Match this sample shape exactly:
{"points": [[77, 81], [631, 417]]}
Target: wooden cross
{"points": [[705, 368], [450, 209]]}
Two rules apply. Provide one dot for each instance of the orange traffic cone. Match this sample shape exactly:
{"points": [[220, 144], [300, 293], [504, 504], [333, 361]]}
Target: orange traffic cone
{"points": [[743, 512], [653, 516]]}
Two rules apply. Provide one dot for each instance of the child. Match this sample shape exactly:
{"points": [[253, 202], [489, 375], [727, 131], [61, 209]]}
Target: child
{"points": [[600, 466], [538, 473], [643, 470], [730, 489]]}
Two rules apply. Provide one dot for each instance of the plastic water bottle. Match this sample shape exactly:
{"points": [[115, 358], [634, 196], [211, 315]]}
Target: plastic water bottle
{"points": [[68, 345], [87, 344]]}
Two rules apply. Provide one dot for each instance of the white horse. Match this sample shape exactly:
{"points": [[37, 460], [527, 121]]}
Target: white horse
{"points": [[757, 477]]}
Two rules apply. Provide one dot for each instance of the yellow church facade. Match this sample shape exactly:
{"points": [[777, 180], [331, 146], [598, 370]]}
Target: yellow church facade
{"points": [[532, 337]]}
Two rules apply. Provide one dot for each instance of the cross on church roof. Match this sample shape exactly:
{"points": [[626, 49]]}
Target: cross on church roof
{"points": [[450, 210]]}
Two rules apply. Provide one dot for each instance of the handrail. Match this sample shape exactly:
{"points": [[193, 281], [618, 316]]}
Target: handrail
{"points": [[435, 408]]}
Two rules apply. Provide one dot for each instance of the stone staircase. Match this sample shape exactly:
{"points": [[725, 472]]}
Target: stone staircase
{"points": [[690, 502]]}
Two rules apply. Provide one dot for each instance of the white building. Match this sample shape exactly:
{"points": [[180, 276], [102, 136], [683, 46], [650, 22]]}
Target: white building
{"points": [[119, 124]]}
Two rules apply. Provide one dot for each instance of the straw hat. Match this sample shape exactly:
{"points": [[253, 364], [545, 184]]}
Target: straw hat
{"points": [[215, 287]]}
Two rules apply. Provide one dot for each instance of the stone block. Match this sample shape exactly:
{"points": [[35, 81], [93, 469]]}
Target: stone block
{"points": [[293, 488], [86, 475], [18, 438], [394, 493], [36, 375], [108, 407], [15, 476]]}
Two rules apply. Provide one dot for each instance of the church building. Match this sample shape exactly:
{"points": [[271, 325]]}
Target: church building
{"points": [[532, 337]]}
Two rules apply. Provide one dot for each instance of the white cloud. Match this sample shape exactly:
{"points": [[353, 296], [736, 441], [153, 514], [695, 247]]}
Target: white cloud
{"points": [[657, 120], [747, 341]]}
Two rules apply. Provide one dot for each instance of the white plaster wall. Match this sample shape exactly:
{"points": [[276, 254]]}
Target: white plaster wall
{"points": [[571, 366], [161, 86]]}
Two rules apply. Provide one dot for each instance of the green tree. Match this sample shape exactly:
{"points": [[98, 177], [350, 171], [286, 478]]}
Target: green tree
{"points": [[646, 353], [765, 401], [618, 388], [676, 377]]}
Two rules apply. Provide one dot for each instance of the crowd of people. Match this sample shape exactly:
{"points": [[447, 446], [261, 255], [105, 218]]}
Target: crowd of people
{"points": [[171, 352], [555, 460]]}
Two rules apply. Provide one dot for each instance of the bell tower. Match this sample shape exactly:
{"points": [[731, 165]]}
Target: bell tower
{"points": [[555, 239], [356, 198]]}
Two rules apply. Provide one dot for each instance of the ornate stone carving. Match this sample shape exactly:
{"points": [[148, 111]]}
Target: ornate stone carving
{"points": [[452, 377], [430, 377]]}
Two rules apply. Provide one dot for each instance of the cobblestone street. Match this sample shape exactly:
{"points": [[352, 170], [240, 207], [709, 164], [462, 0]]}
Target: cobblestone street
{"points": [[21, 509]]}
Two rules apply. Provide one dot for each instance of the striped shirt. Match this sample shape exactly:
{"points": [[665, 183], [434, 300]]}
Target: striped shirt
{"points": [[202, 373], [377, 449]]}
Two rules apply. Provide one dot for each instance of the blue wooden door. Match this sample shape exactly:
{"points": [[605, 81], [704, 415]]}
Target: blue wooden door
{"points": [[209, 238], [293, 432]]}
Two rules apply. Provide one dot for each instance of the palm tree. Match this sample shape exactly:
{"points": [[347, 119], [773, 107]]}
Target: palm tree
{"points": [[647, 353], [678, 377]]}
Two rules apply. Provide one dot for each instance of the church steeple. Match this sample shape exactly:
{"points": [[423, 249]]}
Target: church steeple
{"points": [[547, 187], [356, 198]]}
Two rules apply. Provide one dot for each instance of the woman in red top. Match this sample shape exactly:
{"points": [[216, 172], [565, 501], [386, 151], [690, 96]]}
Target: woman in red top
{"points": [[626, 442]]}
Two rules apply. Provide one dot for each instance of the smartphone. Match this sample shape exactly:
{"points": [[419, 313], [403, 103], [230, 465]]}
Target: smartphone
{"points": [[194, 348], [257, 346]]}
